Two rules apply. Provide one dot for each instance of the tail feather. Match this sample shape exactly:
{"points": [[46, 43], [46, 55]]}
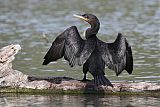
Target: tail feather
{"points": [[101, 80]]}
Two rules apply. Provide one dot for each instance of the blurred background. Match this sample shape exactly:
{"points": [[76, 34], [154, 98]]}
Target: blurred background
{"points": [[25, 21]]}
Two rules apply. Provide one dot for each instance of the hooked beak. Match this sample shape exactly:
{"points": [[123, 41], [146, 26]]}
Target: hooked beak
{"points": [[81, 17]]}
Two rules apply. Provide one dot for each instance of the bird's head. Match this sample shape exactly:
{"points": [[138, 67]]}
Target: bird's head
{"points": [[92, 20]]}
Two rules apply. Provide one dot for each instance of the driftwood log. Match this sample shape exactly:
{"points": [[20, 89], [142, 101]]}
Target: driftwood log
{"points": [[16, 81]]}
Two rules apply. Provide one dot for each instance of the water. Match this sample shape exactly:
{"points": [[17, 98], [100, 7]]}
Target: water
{"points": [[25, 21], [77, 101]]}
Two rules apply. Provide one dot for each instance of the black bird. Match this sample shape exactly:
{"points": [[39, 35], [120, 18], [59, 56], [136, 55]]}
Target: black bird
{"points": [[92, 53]]}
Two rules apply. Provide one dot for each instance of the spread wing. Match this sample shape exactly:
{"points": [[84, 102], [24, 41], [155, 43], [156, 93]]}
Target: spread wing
{"points": [[117, 55], [69, 45]]}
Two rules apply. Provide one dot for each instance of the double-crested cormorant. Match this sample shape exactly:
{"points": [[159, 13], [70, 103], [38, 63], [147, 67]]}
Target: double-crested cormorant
{"points": [[92, 53]]}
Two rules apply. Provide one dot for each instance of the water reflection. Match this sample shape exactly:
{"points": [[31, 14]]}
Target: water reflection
{"points": [[11, 100]]}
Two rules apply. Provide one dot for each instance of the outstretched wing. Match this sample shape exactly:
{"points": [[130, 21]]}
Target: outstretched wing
{"points": [[117, 55], [70, 45]]}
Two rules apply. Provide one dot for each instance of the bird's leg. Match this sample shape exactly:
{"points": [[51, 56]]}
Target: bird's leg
{"points": [[84, 78], [85, 70]]}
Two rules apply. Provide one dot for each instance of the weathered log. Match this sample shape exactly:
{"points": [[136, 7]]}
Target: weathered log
{"points": [[13, 79]]}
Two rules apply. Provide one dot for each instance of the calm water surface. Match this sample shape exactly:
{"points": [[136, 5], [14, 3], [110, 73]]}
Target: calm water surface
{"points": [[25, 21], [77, 101]]}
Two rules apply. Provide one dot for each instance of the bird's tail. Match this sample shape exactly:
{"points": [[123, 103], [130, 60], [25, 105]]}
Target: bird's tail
{"points": [[101, 80]]}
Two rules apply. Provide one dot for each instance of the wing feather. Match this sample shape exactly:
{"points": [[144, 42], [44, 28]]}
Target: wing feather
{"points": [[56, 51], [117, 55], [70, 45]]}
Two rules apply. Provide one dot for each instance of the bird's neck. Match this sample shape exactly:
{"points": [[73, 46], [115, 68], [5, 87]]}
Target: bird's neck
{"points": [[93, 30]]}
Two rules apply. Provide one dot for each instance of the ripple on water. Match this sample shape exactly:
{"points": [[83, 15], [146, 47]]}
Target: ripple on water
{"points": [[147, 77], [27, 59], [49, 70], [61, 70]]}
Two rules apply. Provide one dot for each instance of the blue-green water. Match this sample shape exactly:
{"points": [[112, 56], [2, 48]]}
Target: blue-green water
{"points": [[25, 21]]}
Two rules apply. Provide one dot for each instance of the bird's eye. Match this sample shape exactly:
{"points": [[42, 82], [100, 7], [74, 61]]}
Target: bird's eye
{"points": [[85, 16]]}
